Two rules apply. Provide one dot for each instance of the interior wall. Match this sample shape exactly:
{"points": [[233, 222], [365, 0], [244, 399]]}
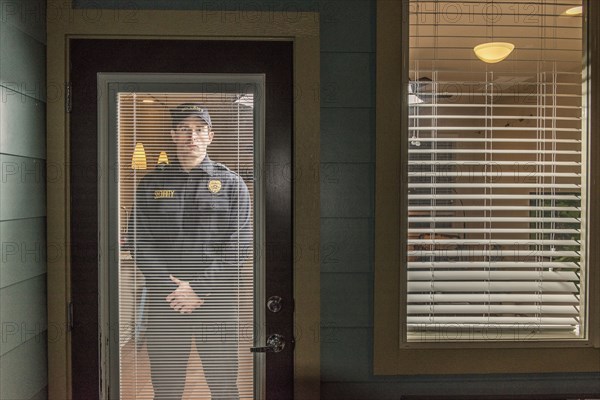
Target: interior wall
{"points": [[347, 94], [23, 322]]}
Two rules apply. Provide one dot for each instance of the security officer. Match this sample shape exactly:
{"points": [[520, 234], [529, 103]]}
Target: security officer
{"points": [[193, 229]]}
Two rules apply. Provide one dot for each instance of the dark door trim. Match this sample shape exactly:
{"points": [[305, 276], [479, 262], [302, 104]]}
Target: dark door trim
{"points": [[91, 56]]}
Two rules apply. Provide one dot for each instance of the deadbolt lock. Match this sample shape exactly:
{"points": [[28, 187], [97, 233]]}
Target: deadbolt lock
{"points": [[275, 304]]}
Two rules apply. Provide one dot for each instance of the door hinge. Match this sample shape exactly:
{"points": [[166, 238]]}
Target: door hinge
{"points": [[70, 316], [68, 99]]}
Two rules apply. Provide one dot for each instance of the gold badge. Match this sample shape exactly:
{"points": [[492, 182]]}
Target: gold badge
{"points": [[214, 186]]}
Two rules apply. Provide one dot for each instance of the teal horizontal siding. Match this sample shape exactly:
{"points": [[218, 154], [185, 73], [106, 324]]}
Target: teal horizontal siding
{"points": [[347, 26], [347, 135], [23, 246], [23, 312], [23, 315], [23, 370], [346, 245], [347, 302], [22, 125], [348, 80], [22, 62], [22, 187], [347, 190], [29, 16]]}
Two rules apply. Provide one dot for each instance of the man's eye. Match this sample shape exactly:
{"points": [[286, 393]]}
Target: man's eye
{"points": [[188, 130]]}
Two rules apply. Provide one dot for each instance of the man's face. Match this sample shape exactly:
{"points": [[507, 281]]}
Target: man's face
{"points": [[192, 136]]}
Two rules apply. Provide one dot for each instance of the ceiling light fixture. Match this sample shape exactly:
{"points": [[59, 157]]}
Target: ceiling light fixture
{"points": [[493, 52], [574, 12]]}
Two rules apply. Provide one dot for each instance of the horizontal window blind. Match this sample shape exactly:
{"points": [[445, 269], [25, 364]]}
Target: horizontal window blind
{"points": [[184, 222], [496, 173]]}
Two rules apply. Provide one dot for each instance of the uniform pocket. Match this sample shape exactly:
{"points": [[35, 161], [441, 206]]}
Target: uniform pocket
{"points": [[210, 202]]}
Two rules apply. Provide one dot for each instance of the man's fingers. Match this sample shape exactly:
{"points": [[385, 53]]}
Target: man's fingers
{"points": [[176, 305], [188, 309], [177, 281], [181, 302], [174, 295], [185, 306]]}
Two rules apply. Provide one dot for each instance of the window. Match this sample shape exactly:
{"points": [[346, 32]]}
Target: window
{"points": [[492, 210], [495, 173]]}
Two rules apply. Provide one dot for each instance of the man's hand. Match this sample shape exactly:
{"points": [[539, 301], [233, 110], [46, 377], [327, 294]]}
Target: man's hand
{"points": [[183, 299]]}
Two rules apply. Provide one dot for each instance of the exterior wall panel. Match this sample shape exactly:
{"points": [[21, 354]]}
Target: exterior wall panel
{"points": [[22, 62], [23, 316], [23, 313], [22, 125], [24, 252]]}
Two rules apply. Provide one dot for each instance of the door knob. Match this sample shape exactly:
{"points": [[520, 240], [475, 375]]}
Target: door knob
{"points": [[275, 344]]}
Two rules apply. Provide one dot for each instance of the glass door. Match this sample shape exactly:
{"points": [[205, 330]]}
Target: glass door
{"points": [[183, 286]]}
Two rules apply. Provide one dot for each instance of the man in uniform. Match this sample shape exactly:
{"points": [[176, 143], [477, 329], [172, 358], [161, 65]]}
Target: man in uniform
{"points": [[193, 229]]}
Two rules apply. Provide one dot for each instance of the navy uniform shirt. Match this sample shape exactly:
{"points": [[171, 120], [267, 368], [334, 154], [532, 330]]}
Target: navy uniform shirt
{"points": [[196, 226]]}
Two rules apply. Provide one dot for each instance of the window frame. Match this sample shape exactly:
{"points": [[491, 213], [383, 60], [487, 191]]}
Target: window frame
{"points": [[393, 355]]}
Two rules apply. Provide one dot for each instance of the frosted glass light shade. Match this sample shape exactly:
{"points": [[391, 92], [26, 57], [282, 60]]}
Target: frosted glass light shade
{"points": [[138, 160], [162, 158], [493, 52], [574, 12]]}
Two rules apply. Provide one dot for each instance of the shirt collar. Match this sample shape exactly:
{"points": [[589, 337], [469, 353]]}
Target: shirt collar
{"points": [[207, 165]]}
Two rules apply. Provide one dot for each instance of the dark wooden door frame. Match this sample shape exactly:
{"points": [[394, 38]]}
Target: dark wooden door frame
{"points": [[89, 56]]}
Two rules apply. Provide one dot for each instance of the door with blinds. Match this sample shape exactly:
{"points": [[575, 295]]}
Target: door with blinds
{"points": [[188, 201], [193, 241], [187, 234]]}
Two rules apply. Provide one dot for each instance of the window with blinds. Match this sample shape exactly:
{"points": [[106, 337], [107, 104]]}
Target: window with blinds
{"points": [[185, 222], [496, 172]]}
